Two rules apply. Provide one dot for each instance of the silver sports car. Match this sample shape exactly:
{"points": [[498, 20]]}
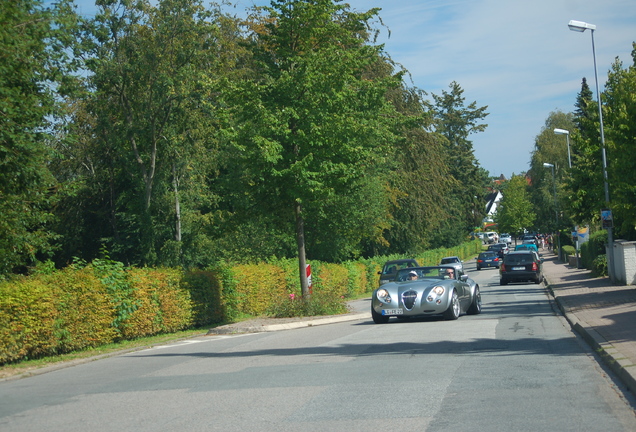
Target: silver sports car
{"points": [[424, 291]]}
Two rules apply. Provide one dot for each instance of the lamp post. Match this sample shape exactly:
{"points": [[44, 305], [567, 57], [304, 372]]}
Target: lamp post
{"points": [[556, 211], [567, 136], [580, 26]]}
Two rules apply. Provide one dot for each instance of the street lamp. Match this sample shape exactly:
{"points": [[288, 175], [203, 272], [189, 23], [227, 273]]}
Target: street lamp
{"points": [[580, 26], [556, 212], [567, 136]]}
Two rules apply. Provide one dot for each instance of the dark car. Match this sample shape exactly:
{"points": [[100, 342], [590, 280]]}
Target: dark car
{"points": [[499, 248], [518, 266], [488, 259], [390, 269]]}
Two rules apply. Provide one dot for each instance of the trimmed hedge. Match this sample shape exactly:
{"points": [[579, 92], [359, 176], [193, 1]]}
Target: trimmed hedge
{"points": [[83, 306]]}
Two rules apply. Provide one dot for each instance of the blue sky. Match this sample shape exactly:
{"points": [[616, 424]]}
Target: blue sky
{"points": [[517, 57]]}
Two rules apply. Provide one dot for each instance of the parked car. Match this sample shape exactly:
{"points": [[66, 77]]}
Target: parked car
{"points": [[505, 238], [499, 248], [390, 269], [522, 265], [426, 291], [491, 237], [488, 259], [453, 261]]}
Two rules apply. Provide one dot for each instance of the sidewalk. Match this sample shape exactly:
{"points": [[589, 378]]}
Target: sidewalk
{"points": [[602, 313]]}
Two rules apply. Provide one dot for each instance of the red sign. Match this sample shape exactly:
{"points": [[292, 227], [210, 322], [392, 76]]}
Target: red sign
{"points": [[308, 272]]}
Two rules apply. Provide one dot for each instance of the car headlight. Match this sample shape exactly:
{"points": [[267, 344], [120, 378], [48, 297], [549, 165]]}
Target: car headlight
{"points": [[383, 295], [438, 291]]}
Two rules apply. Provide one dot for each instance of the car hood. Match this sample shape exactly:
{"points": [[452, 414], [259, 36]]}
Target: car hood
{"points": [[419, 285]]}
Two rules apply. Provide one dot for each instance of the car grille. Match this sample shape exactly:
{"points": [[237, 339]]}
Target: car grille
{"points": [[408, 299]]}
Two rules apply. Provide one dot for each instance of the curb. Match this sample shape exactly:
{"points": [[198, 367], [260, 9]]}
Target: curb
{"points": [[616, 361], [286, 326]]}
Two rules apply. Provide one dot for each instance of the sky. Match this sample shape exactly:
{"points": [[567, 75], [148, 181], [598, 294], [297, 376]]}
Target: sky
{"points": [[519, 58]]}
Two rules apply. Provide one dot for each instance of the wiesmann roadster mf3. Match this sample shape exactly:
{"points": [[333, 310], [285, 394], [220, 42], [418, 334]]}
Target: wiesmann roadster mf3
{"points": [[426, 291]]}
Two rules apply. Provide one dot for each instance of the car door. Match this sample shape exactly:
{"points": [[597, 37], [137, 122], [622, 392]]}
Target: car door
{"points": [[463, 290]]}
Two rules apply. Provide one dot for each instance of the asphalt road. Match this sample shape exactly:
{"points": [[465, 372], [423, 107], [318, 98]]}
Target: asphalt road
{"points": [[515, 367]]}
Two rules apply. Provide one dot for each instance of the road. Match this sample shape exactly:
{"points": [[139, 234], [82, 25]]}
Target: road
{"points": [[515, 367]]}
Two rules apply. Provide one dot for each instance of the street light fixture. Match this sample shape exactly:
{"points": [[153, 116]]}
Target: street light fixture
{"points": [[556, 211], [580, 26], [567, 136]]}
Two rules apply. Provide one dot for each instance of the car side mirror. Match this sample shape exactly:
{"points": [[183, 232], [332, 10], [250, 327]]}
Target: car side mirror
{"points": [[463, 278]]}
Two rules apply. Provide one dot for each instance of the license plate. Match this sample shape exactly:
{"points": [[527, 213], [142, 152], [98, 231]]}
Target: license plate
{"points": [[392, 311], [518, 268]]}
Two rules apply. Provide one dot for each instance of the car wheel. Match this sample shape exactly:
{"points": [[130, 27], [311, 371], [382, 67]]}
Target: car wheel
{"points": [[478, 268], [452, 313], [377, 318], [503, 282], [537, 280], [475, 307]]}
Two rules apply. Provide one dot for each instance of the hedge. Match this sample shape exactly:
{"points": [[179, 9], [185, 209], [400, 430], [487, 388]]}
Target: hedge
{"points": [[83, 306]]}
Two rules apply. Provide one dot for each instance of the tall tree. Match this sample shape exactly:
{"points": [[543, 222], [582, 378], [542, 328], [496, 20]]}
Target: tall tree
{"points": [[585, 184], [456, 122], [153, 80], [620, 121], [32, 68], [550, 148], [313, 124]]}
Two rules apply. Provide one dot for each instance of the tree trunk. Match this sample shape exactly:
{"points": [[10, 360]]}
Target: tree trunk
{"points": [[302, 260], [177, 206]]}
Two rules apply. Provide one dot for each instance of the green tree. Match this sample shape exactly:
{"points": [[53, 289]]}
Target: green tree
{"points": [[515, 211], [456, 122], [620, 126], [584, 186], [421, 185], [550, 148], [153, 109], [313, 123], [33, 66]]}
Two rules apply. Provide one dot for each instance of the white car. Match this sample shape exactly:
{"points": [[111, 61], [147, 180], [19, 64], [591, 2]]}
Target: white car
{"points": [[491, 237], [453, 261], [505, 238]]}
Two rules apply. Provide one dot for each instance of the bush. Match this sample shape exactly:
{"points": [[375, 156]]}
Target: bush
{"points": [[81, 306], [84, 310], [594, 247], [27, 320], [599, 266], [205, 288], [163, 305], [568, 251]]}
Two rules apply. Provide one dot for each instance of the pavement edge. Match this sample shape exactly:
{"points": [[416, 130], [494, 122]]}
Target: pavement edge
{"points": [[617, 362]]}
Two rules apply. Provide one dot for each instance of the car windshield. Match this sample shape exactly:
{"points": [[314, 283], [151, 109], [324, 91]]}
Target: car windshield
{"points": [[423, 273], [519, 259], [390, 268], [487, 255], [449, 260]]}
